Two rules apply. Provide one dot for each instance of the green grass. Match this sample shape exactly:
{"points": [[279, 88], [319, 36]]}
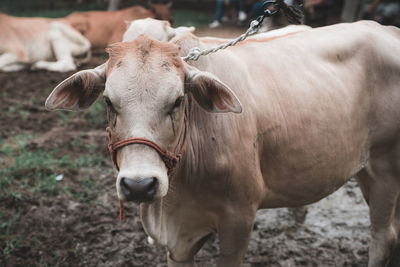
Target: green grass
{"points": [[28, 174], [11, 241], [96, 113], [87, 192], [31, 169], [37, 169]]}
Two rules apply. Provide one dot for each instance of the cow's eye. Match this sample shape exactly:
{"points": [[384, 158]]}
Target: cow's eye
{"points": [[109, 104], [178, 102]]}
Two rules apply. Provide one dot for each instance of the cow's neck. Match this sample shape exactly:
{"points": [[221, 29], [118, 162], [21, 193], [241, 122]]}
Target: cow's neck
{"points": [[162, 219]]}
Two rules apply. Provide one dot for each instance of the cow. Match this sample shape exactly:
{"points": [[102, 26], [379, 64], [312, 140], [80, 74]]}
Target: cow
{"points": [[37, 42], [202, 145], [160, 30], [103, 28]]}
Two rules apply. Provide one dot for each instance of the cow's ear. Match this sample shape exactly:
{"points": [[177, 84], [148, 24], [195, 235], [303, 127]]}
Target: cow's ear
{"points": [[79, 91], [173, 32], [210, 93]]}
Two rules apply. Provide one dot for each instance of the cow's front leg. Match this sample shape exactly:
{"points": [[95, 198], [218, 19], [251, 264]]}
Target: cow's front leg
{"points": [[181, 252], [234, 235], [7, 60], [175, 263]]}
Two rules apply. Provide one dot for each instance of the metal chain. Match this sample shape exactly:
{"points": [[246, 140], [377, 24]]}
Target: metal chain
{"points": [[195, 52]]}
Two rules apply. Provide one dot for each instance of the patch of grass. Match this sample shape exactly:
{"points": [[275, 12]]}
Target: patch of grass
{"points": [[18, 142], [23, 114], [65, 116], [191, 17], [16, 108], [35, 170], [11, 241], [87, 192], [42, 262], [96, 113], [88, 161]]}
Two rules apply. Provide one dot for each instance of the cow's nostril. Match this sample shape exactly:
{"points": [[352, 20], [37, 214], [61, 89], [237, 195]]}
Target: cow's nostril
{"points": [[124, 187], [139, 190], [152, 188]]}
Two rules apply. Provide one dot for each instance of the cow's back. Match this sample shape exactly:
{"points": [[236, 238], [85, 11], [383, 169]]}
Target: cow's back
{"points": [[309, 101]]}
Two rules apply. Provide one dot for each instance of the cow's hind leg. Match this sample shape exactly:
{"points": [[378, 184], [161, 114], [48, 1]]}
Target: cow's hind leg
{"points": [[299, 213], [395, 260], [380, 183]]}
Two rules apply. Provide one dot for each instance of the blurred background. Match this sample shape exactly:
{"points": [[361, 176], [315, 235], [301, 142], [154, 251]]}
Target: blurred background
{"points": [[202, 12]]}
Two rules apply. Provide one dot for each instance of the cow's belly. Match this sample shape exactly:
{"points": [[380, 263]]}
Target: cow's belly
{"points": [[315, 148], [305, 177]]}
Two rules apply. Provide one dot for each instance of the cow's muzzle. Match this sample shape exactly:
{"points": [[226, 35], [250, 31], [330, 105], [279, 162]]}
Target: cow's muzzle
{"points": [[142, 190]]}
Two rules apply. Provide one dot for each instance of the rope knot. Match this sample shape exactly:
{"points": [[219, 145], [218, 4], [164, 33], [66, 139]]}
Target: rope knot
{"points": [[170, 160]]}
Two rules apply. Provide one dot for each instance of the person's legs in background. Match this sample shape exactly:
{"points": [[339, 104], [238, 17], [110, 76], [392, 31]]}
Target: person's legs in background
{"points": [[218, 14], [220, 7], [242, 16]]}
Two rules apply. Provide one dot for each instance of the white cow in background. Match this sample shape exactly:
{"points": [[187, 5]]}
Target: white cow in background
{"points": [[41, 43], [157, 29]]}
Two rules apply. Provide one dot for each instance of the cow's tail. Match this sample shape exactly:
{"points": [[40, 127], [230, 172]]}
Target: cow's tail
{"points": [[294, 14]]}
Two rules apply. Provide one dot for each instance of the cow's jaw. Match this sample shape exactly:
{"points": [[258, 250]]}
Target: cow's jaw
{"points": [[138, 163]]}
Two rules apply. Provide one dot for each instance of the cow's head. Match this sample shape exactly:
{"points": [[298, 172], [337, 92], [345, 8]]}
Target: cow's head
{"points": [[146, 87], [160, 30], [161, 11]]}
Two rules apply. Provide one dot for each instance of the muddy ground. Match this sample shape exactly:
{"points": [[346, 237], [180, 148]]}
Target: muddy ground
{"points": [[74, 221]]}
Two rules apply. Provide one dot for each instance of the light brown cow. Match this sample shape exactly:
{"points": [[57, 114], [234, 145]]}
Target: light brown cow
{"points": [[103, 28], [39, 41], [313, 110]]}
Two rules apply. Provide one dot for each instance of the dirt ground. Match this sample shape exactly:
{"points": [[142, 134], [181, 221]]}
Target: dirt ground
{"points": [[76, 223]]}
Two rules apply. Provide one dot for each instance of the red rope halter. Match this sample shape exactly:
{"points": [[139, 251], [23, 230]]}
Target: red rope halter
{"points": [[170, 159]]}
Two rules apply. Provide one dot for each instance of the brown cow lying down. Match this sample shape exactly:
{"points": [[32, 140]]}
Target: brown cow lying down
{"points": [[37, 42], [263, 124], [103, 28]]}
